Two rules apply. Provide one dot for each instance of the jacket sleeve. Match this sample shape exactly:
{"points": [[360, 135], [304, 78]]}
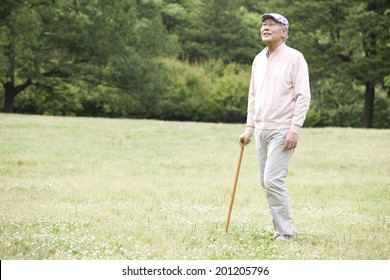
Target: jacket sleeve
{"points": [[250, 123], [301, 93]]}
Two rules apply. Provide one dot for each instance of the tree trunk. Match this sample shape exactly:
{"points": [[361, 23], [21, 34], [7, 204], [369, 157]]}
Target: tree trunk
{"points": [[9, 102], [369, 105], [370, 49], [11, 92]]}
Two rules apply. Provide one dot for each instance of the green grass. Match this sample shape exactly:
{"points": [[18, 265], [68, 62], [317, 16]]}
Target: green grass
{"points": [[87, 188]]}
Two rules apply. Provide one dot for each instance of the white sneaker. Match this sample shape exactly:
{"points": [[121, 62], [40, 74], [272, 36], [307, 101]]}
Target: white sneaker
{"points": [[284, 238]]}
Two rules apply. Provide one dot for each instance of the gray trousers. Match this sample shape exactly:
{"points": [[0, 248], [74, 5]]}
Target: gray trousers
{"points": [[273, 162]]}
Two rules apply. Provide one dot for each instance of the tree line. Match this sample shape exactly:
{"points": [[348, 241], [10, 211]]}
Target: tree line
{"points": [[188, 59]]}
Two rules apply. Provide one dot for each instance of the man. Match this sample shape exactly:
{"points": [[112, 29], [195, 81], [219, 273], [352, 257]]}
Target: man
{"points": [[278, 101]]}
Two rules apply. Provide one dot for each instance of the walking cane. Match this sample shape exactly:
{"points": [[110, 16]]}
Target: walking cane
{"points": [[234, 186]]}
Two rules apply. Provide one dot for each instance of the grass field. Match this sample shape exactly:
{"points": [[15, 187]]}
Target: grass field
{"points": [[87, 188]]}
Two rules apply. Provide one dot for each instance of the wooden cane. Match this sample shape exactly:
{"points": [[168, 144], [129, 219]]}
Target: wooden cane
{"points": [[234, 188]]}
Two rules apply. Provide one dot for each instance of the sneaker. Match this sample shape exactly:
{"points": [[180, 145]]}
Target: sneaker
{"points": [[284, 238]]}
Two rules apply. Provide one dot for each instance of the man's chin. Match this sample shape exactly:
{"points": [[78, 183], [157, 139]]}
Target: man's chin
{"points": [[266, 39]]}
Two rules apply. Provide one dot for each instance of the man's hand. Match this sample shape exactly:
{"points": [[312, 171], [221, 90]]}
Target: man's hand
{"points": [[291, 141], [244, 139]]}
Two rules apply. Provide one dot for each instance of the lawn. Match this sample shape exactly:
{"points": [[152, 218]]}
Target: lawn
{"points": [[90, 188]]}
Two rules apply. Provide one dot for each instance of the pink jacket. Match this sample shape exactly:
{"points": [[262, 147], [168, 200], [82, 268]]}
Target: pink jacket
{"points": [[279, 91]]}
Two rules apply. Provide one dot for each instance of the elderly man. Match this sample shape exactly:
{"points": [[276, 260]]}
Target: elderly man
{"points": [[278, 101]]}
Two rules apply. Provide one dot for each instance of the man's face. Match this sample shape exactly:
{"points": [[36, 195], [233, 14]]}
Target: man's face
{"points": [[272, 31]]}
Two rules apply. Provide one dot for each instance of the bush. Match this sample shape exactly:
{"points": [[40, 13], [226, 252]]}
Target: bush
{"points": [[208, 92], [313, 117], [347, 115], [229, 95], [61, 101], [381, 111], [187, 92]]}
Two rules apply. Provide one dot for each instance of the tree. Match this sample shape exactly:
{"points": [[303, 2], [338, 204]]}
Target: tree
{"points": [[18, 35], [215, 29], [47, 43], [371, 19]]}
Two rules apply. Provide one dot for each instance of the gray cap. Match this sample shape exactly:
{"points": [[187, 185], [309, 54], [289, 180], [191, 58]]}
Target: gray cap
{"points": [[279, 18]]}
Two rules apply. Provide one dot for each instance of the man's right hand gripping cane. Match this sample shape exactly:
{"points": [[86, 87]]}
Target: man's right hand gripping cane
{"points": [[245, 138]]}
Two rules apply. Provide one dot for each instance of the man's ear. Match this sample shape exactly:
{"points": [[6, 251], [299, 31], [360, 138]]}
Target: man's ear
{"points": [[285, 33]]}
